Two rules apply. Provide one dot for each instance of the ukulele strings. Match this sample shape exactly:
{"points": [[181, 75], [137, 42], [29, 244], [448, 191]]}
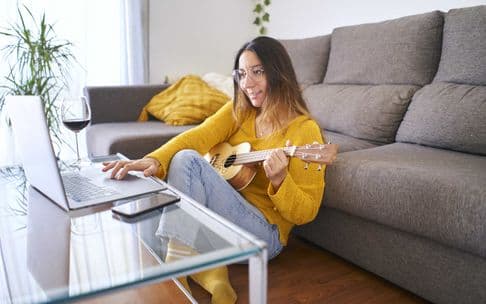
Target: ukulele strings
{"points": [[256, 156]]}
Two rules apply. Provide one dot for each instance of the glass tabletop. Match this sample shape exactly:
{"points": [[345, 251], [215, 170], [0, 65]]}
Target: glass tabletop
{"points": [[47, 254]]}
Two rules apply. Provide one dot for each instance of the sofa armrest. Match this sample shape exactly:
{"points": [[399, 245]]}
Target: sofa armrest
{"points": [[119, 103]]}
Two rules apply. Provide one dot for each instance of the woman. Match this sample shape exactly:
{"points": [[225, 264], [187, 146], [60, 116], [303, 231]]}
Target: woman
{"points": [[268, 112]]}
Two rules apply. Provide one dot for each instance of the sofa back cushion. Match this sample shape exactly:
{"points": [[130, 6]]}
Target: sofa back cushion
{"points": [[400, 51], [463, 58], [309, 57], [447, 115], [370, 112], [450, 113]]}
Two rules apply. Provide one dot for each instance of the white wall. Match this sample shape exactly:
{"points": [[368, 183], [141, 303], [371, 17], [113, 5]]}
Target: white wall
{"points": [[200, 36], [196, 36], [307, 18], [95, 34]]}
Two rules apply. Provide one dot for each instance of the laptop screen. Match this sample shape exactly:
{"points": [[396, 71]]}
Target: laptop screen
{"points": [[35, 146]]}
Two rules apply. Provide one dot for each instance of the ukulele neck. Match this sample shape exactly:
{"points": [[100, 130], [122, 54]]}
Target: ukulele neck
{"points": [[258, 156]]}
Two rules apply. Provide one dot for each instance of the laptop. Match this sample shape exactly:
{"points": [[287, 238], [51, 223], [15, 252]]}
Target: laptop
{"points": [[71, 189]]}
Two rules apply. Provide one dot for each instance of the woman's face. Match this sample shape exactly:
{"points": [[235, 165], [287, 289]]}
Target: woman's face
{"points": [[252, 78]]}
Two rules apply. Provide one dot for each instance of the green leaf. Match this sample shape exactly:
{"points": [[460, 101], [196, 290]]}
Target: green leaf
{"points": [[257, 21], [266, 17], [266, 2], [258, 8], [263, 30]]}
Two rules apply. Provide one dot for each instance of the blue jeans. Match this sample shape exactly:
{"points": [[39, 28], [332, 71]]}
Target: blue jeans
{"points": [[194, 176]]}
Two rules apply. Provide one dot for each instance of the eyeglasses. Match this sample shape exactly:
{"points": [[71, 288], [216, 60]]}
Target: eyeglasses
{"points": [[256, 73]]}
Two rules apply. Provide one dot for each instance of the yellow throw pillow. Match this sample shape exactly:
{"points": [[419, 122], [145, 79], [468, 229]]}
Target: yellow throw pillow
{"points": [[188, 101]]}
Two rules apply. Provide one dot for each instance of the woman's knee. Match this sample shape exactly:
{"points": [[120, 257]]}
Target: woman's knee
{"points": [[182, 158]]}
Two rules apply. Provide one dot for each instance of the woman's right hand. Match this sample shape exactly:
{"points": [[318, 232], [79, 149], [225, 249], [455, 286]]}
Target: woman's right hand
{"points": [[120, 168]]}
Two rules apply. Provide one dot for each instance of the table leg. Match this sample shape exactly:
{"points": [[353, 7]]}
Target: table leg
{"points": [[258, 278]]}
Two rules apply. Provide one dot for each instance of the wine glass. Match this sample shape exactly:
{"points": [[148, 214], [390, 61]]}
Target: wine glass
{"points": [[76, 115]]}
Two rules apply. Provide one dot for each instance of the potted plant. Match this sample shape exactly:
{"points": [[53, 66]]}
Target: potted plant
{"points": [[39, 65]]}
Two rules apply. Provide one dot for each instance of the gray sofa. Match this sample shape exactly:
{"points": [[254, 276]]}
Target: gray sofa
{"points": [[114, 127], [406, 101]]}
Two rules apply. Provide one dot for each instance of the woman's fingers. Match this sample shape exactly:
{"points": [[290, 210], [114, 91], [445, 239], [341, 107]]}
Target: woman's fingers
{"points": [[111, 165], [275, 167], [124, 169], [108, 165], [116, 169], [276, 162], [119, 169]]}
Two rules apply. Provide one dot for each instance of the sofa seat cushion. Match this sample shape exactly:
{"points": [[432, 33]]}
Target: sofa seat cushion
{"points": [[400, 51], [447, 115], [463, 58], [434, 193], [369, 112], [133, 139], [348, 143]]}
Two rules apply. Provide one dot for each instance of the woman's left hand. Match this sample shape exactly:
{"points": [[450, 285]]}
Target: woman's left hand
{"points": [[275, 166]]}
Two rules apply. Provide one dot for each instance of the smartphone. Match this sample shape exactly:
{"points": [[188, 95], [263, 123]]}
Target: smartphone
{"points": [[145, 204]]}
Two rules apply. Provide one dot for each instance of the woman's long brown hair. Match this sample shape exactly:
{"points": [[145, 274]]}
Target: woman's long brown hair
{"points": [[283, 90]]}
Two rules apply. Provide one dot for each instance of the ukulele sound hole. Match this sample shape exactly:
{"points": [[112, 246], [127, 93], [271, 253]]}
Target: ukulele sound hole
{"points": [[229, 161]]}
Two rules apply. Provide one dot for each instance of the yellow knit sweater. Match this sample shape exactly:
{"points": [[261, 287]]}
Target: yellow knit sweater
{"points": [[299, 197]]}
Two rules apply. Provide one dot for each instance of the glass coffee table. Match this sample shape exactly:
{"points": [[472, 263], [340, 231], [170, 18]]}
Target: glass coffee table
{"points": [[48, 255]]}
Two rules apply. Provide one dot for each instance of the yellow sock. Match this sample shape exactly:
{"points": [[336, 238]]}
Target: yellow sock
{"points": [[176, 251], [216, 282]]}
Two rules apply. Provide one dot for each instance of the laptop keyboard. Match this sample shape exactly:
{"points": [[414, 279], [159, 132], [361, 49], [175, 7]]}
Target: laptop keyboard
{"points": [[80, 188]]}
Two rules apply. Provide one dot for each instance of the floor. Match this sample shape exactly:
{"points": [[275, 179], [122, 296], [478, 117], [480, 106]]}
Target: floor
{"points": [[303, 273]]}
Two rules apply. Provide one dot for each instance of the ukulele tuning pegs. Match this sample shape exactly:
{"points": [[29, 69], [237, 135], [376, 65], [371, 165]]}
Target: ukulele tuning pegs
{"points": [[319, 168], [306, 166]]}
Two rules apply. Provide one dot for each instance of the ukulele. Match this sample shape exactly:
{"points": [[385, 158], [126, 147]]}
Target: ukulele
{"points": [[236, 164]]}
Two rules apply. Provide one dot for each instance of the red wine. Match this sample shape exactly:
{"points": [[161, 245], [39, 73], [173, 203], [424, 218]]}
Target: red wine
{"points": [[76, 125]]}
